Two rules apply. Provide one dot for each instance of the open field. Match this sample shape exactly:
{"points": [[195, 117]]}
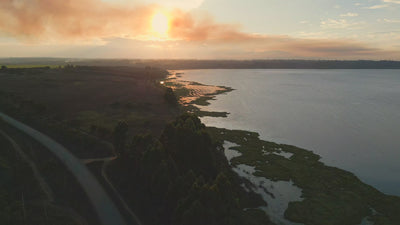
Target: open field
{"points": [[31, 66], [89, 100]]}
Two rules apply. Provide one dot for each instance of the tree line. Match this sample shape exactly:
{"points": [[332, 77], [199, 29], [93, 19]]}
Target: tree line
{"points": [[181, 178]]}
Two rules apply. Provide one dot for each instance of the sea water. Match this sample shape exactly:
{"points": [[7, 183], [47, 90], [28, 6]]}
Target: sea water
{"points": [[351, 118]]}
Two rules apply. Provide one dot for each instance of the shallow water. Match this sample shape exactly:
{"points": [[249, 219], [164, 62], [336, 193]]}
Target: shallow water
{"points": [[349, 117], [277, 194]]}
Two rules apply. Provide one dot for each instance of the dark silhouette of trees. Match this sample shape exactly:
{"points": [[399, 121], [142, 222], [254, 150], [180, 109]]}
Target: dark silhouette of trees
{"points": [[120, 135], [190, 146], [180, 178], [278, 64], [170, 97]]}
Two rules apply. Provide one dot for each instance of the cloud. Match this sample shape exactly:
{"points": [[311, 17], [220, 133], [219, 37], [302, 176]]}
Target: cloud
{"points": [[349, 15], [181, 4], [385, 5], [377, 6], [123, 31], [261, 47], [50, 20], [317, 48], [391, 21], [339, 24], [392, 1], [72, 19], [203, 27]]}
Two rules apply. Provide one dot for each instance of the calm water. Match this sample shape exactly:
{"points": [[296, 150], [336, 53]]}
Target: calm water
{"points": [[349, 117]]}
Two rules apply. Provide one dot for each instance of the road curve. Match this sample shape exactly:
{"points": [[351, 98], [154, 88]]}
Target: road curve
{"points": [[104, 207]]}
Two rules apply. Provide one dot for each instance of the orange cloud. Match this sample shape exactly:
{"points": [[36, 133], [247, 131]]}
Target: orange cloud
{"points": [[86, 19], [77, 19], [203, 28]]}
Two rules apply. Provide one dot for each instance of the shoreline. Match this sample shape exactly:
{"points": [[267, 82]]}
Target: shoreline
{"points": [[304, 168], [192, 95]]}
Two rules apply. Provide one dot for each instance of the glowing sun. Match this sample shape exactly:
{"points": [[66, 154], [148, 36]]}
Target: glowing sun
{"points": [[160, 24]]}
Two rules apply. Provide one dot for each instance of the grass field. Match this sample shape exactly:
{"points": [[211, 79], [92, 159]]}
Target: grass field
{"points": [[90, 100], [32, 66]]}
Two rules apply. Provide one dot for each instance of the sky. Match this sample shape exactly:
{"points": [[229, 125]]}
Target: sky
{"points": [[201, 29]]}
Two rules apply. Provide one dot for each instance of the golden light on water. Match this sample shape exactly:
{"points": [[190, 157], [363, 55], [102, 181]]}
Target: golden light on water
{"points": [[160, 24]]}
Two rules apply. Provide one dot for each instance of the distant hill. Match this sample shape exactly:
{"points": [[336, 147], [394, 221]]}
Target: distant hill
{"points": [[274, 64], [174, 64]]}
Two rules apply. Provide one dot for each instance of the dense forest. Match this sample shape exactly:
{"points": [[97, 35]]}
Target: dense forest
{"points": [[181, 178]]}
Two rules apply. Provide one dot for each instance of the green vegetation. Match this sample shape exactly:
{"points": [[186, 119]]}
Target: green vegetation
{"points": [[181, 91], [331, 196], [170, 97], [120, 135], [22, 201], [32, 66], [204, 100], [173, 84], [182, 178], [200, 113], [37, 115], [79, 106]]}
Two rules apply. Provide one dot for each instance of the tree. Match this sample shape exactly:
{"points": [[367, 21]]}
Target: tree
{"points": [[3, 67], [120, 134], [190, 146], [180, 178], [170, 97]]}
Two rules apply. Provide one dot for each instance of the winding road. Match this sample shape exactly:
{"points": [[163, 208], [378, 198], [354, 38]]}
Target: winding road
{"points": [[103, 205]]}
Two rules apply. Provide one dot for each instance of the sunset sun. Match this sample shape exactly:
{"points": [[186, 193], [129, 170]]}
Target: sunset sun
{"points": [[160, 24]]}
